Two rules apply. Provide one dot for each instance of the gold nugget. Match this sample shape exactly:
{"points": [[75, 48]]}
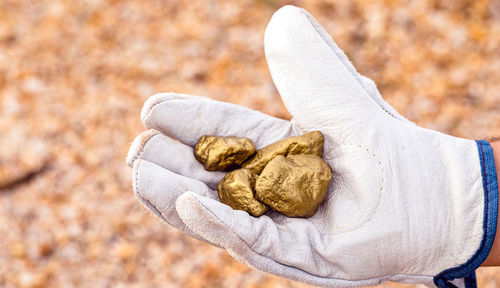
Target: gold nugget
{"points": [[294, 185], [309, 143], [236, 190], [223, 153]]}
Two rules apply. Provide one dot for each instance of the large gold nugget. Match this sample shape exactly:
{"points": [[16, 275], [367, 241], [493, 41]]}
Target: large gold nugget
{"points": [[223, 153], [309, 143], [294, 185], [236, 190]]}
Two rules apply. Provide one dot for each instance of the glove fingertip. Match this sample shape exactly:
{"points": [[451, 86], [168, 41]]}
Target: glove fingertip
{"points": [[159, 98], [151, 102], [137, 146]]}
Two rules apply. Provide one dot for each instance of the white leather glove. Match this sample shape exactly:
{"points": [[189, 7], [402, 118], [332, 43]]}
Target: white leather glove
{"points": [[405, 204]]}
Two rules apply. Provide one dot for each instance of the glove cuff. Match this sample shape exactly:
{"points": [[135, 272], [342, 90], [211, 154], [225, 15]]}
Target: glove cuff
{"points": [[490, 188]]}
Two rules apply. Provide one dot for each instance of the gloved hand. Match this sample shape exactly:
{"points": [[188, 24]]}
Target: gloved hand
{"points": [[405, 204]]}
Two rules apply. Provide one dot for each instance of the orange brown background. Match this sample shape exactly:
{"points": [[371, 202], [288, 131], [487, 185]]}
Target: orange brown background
{"points": [[74, 75]]}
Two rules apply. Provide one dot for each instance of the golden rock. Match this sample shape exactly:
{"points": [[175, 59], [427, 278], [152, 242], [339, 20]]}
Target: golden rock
{"points": [[309, 143], [236, 190], [223, 153], [294, 185]]}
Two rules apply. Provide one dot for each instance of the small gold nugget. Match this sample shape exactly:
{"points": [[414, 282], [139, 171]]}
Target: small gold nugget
{"points": [[309, 143], [236, 190], [223, 153], [294, 185]]}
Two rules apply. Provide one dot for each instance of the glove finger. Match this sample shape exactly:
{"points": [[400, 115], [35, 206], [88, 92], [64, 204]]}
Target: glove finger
{"points": [[187, 118], [293, 248], [172, 155], [317, 86], [293, 242], [158, 189]]}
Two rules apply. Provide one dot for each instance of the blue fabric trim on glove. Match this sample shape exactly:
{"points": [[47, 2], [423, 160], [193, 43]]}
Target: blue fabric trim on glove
{"points": [[470, 281], [490, 186]]}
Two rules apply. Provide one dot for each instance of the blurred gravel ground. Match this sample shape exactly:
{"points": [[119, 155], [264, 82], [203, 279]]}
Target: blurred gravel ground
{"points": [[74, 75]]}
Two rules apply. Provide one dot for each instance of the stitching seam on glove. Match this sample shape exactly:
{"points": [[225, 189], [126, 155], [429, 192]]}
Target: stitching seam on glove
{"points": [[143, 201], [381, 185]]}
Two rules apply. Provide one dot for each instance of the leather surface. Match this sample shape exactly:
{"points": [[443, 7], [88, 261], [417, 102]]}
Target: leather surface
{"points": [[405, 202]]}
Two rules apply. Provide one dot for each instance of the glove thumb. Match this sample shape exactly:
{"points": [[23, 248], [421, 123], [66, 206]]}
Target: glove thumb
{"points": [[316, 81]]}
